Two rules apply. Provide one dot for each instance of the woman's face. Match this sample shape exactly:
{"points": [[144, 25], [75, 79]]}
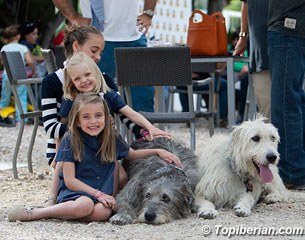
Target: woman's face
{"points": [[32, 37], [93, 47]]}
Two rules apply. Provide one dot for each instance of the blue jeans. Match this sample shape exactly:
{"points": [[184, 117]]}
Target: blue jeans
{"points": [[6, 96], [242, 97], [142, 97], [287, 68]]}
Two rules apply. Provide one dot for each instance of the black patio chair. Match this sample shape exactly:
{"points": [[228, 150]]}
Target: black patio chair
{"points": [[160, 66], [50, 60]]}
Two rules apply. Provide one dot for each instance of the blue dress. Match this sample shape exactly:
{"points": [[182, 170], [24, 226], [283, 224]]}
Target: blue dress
{"points": [[91, 170]]}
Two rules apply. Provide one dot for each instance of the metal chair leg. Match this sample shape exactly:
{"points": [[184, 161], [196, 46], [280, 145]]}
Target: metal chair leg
{"points": [[17, 146], [34, 132], [170, 102], [193, 136]]}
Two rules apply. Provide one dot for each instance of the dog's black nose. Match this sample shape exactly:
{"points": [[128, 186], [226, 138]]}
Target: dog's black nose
{"points": [[150, 216], [271, 157]]}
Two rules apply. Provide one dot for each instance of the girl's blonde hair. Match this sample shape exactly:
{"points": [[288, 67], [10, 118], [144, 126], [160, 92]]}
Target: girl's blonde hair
{"points": [[106, 138], [70, 91]]}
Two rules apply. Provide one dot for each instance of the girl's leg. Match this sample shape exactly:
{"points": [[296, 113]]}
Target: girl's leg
{"points": [[78, 209], [262, 84], [23, 96], [5, 92], [100, 213], [123, 178], [51, 200]]}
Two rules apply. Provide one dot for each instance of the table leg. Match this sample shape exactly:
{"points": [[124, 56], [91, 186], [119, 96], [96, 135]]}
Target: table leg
{"points": [[231, 92]]}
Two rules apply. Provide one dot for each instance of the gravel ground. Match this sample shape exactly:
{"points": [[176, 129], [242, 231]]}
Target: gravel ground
{"points": [[32, 189]]}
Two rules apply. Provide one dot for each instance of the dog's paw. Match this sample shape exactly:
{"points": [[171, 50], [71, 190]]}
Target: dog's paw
{"points": [[208, 214], [121, 219], [242, 211], [272, 198]]}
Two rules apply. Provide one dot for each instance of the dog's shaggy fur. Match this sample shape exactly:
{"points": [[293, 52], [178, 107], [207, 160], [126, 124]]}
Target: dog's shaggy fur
{"points": [[157, 192], [237, 170]]}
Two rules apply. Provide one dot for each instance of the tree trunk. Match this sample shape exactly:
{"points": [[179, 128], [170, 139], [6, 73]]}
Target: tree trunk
{"points": [[215, 6], [50, 30]]}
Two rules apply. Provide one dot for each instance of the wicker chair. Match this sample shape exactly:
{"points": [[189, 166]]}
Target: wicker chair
{"points": [[50, 60], [160, 66]]}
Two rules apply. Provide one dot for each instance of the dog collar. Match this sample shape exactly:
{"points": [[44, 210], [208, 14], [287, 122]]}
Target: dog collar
{"points": [[249, 185], [246, 179]]}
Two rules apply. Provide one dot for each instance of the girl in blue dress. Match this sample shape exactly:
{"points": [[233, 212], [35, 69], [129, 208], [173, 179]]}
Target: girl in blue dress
{"points": [[89, 180]]}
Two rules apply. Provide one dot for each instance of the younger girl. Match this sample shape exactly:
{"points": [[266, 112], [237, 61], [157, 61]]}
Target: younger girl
{"points": [[89, 179]]}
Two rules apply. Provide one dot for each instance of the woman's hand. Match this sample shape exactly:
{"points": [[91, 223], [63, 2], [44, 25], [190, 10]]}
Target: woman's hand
{"points": [[169, 157], [240, 47]]}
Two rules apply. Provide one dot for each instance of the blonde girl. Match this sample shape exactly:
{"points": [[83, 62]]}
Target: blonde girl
{"points": [[83, 75]]}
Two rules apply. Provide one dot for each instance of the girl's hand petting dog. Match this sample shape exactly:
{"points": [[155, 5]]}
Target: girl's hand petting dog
{"points": [[108, 201], [156, 132], [169, 157]]}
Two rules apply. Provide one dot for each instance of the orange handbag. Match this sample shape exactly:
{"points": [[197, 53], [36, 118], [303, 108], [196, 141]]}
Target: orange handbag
{"points": [[208, 36]]}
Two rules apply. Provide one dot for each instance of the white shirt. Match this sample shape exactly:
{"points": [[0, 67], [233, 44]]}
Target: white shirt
{"points": [[10, 47], [120, 19]]}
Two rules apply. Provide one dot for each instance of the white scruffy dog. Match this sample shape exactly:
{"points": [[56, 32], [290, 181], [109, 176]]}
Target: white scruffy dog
{"points": [[238, 169]]}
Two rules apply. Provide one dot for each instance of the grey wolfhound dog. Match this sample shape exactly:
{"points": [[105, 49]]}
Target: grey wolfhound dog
{"points": [[157, 192], [238, 169]]}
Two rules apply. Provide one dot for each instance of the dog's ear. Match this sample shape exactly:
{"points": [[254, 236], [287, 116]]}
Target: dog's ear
{"points": [[235, 134], [234, 145], [135, 186], [189, 200]]}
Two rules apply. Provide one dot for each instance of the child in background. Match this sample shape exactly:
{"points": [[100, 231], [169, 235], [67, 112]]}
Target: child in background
{"points": [[29, 38], [11, 37], [89, 180]]}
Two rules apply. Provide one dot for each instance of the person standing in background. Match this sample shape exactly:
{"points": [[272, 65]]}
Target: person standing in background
{"points": [[254, 14], [286, 49], [122, 27]]}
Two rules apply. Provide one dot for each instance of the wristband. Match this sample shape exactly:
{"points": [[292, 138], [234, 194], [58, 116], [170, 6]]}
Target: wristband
{"points": [[98, 194], [145, 133], [243, 34]]}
